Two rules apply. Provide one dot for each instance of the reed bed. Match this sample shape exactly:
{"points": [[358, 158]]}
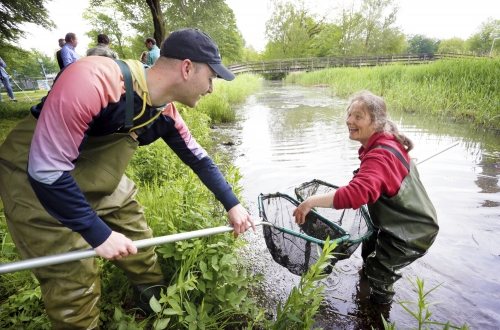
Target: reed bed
{"points": [[460, 89], [219, 105]]}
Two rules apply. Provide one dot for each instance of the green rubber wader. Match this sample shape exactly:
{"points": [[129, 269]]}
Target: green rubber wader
{"points": [[71, 290], [405, 227]]}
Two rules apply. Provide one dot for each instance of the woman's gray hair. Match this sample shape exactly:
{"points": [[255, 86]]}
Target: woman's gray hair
{"points": [[377, 109]]}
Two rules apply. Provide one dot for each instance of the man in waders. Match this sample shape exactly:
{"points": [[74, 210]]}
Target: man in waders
{"points": [[62, 169]]}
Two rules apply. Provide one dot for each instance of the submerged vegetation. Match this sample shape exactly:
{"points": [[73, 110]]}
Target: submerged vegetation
{"points": [[460, 89]]}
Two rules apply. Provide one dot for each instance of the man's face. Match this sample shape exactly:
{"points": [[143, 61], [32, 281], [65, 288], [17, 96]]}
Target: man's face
{"points": [[200, 83], [149, 45]]}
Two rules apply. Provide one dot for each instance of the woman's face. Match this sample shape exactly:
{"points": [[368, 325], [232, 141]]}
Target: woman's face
{"points": [[359, 123]]}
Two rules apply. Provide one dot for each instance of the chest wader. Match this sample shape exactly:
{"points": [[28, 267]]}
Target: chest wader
{"points": [[71, 290], [405, 228]]}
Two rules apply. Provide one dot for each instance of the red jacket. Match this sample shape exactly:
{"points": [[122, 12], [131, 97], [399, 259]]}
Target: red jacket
{"points": [[380, 172]]}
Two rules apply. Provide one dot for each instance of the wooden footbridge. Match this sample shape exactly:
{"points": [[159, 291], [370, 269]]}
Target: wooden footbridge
{"points": [[317, 63]]}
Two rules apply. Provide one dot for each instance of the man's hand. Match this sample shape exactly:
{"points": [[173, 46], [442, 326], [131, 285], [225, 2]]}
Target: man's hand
{"points": [[240, 219], [116, 247]]}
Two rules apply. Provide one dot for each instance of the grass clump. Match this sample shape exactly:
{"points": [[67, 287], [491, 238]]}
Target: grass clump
{"points": [[460, 89]]}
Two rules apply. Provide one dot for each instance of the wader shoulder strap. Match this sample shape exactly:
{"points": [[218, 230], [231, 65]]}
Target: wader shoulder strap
{"points": [[129, 94], [396, 153]]}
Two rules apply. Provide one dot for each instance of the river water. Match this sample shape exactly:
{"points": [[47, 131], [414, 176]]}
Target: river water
{"points": [[287, 134]]}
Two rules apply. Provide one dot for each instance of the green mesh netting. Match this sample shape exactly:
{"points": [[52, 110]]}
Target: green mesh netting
{"points": [[297, 247], [356, 223]]}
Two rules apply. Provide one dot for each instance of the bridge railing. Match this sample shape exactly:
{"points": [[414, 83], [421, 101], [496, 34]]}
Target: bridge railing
{"points": [[318, 63]]}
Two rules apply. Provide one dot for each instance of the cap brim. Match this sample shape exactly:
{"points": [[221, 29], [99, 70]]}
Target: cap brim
{"points": [[222, 71]]}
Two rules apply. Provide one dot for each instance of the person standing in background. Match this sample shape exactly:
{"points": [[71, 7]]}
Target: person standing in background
{"points": [[4, 76], [58, 54], [154, 51], [102, 48], [68, 53]]}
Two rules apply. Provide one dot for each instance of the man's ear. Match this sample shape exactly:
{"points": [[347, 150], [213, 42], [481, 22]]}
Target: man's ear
{"points": [[187, 68]]}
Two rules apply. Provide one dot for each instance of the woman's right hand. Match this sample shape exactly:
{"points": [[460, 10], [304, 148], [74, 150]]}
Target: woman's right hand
{"points": [[301, 211], [321, 200], [116, 247]]}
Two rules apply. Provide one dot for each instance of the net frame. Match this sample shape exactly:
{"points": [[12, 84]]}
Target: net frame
{"points": [[297, 247], [344, 235], [310, 188]]}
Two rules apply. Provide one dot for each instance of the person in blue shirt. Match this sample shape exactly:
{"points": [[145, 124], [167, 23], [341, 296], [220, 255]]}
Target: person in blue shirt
{"points": [[4, 76], [154, 51], [68, 53]]}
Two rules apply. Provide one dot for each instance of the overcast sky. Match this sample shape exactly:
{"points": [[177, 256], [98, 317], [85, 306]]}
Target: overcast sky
{"points": [[441, 19]]}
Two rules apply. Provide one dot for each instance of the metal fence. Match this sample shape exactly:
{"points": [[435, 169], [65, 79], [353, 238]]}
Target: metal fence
{"points": [[29, 83]]}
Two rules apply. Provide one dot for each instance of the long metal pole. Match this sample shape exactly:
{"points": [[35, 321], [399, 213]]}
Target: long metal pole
{"points": [[437, 153], [84, 254]]}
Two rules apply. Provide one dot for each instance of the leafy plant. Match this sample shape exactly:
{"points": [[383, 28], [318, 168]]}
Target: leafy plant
{"points": [[421, 313], [304, 300], [24, 310]]}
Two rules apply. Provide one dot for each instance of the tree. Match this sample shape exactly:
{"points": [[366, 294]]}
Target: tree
{"points": [[158, 19], [453, 45], [369, 30], [109, 25], [380, 37], [290, 32], [214, 17], [420, 44], [351, 27], [327, 41], [481, 42], [15, 13]]}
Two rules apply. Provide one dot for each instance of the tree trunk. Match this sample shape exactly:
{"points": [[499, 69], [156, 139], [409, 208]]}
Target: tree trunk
{"points": [[158, 20]]}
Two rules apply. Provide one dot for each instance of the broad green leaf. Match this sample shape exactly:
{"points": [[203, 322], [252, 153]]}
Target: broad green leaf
{"points": [[154, 304]]}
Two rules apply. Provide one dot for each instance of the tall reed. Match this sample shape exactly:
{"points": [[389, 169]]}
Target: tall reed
{"points": [[219, 105], [460, 89]]}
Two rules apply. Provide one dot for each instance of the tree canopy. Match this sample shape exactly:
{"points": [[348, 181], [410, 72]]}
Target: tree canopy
{"points": [[15, 13], [483, 42], [356, 30]]}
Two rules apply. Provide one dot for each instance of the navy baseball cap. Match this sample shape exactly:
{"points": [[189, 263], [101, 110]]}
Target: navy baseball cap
{"points": [[197, 46]]}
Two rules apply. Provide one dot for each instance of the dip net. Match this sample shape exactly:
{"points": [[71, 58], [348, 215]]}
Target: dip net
{"points": [[297, 247]]}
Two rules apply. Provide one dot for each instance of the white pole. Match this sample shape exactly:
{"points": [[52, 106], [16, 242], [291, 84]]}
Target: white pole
{"points": [[84, 254]]}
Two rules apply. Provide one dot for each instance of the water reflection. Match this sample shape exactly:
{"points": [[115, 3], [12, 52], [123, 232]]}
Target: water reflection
{"points": [[289, 134]]}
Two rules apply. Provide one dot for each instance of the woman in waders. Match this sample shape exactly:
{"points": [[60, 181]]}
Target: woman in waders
{"points": [[387, 180]]}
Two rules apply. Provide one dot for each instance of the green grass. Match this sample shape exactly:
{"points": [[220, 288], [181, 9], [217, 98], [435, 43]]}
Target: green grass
{"points": [[220, 105], [459, 89]]}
